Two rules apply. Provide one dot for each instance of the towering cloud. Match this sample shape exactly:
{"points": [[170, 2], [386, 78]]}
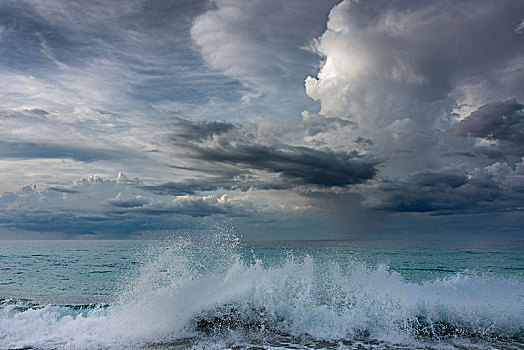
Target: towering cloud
{"points": [[401, 69]]}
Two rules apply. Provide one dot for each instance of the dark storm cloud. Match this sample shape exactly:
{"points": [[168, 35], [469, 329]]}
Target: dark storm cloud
{"points": [[501, 121], [298, 165], [243, 151], [198, 130], [30, 150], [448, 191]]}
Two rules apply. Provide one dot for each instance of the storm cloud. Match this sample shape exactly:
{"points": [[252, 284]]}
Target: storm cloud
{"points": [[501, 122], [297, 165], [450, 191], [248, 152]]}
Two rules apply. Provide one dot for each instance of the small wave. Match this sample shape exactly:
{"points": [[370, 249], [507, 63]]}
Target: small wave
{"points": [[188, 289]]}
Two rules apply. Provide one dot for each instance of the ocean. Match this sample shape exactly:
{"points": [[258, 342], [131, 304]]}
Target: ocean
{"points": [[215, 291]]}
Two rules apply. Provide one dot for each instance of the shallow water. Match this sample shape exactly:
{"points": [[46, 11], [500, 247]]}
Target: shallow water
{"points": [[215, 291]]}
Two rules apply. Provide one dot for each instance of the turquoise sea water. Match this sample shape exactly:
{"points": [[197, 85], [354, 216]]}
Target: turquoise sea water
{"points": [[215, 291]]}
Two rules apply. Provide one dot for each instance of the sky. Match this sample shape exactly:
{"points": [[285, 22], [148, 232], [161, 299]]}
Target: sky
{"points": [[283, 119]]}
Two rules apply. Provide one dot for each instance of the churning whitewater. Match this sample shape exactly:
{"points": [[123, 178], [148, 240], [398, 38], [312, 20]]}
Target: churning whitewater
{"points": [[190, 294]]}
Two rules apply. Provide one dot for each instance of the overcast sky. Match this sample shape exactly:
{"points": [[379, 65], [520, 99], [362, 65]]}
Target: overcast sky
{"points": [[284, 118]]}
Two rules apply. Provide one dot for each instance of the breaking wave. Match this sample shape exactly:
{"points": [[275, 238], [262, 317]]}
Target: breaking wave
{"points": [[191, 291]]}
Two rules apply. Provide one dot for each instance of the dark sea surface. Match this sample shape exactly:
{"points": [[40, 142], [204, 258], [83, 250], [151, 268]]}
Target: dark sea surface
{"points": [[215, 291]]}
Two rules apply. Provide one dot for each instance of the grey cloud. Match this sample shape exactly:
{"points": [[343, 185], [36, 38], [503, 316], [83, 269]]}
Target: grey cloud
{"points": [[481, 151], [240, 180], [28, 114], [448, 179], [93, 205], [243, 150], [315, 128], [190, 205], [62, 190], [448, 192], [501, 121], [298, 165], [190, 186], [146, 44], [96, 69], [193, 211], [197, 206], [320, 124], [37, 111], [198, 130], [53, 221], [519, 28], [223, 178], [30, 150], [312, 125], [70, 222], [133, 202]]}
